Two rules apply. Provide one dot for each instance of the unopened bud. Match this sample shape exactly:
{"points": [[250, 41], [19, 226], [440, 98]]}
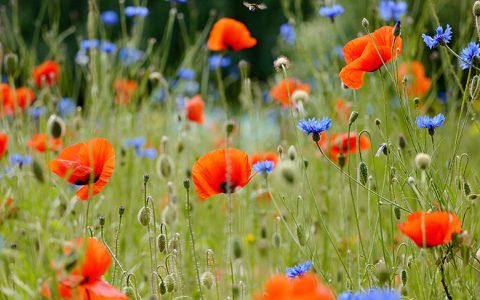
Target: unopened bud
{"points": [[162, 242], [378, 122], [299, 96], [144, 216], [397, 212], [101, 220], [207, 279], [466, 188], [423, 161], [280, 150], [383, 274], [11, 63], [38, 171], [186, 183], [302, 238], [129, 292], [170, 283], [342, 159], [237, 249], [165, 166], [229, 127], [363, 172], [404, 277], [292, 153], [353, 117], [365, 23], [56, 126], [476, 9], [277, 240], [121, 210], [397, 29], [162, 288], [402, 143]]}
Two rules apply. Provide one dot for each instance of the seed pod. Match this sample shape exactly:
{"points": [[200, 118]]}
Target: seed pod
{"points": [[363, 171], [170, 283], [56, 126], [353, 117], [207, 279], [302, 239], [186, 183], [162, 242], [101, 220], [144, 215]]}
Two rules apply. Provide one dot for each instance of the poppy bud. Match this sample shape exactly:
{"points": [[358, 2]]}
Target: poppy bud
{"points": [[10, 61], [281, 63], [162, 288], [404, 277], [363, 172], [423, 161], [397, 212], [263, 232], [277, 240], [146, 177], [404, 291], [365, 23], [383, 274], [397, 29], [180, 146], [207, 279], [305, 163], [186, 183], [280, 150], [476, 9], [416, 100], [56, 126], [243, 65], [402, 143], [229, 127], [144, 216], [237, 249], [411, 180], [342, 159], [353, 117], [170, 283], [292, 153], [164, 144], [474, 87], [174, 243], [38, 171], [378, 122], [165, 166], [162, 242], [121, 210], [466, 188], [101, 220], [129, 292], [473, 197], [302, 239]]}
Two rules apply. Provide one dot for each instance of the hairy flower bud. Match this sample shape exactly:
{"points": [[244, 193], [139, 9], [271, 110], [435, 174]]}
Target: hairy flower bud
{"points": [[207, 279], [56, 126], [302, 238], [363, 172], [144, 215]]}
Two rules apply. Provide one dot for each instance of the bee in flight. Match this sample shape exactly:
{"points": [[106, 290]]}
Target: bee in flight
{"points": [[255, 6]]}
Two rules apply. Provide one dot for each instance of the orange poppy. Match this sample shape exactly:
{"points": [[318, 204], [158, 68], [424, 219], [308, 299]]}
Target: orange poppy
{"points": [[82, 162], [280, 92], [39, 143], [230, 34], [195, 108], [25, 97], [125, 90], [46, 73], [263, 156], [3, 143], [343, 109], [85, 281], [418, 83], [363, 56], [210, 172], [340, 143], [431, 228], [305, 287]]}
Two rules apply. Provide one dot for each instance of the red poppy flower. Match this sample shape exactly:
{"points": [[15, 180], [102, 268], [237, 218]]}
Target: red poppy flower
{"points": [[39, 143], [263, 156], [210, 172], [280, 93], [306, 287], [340, 143], [431, 228], [80, 163], [3, 143], [125, 90], [6, 100], [195, 108], [25, 97], [363, 56], [85, 281], [230, 34], [418, 83], [46, 73]]}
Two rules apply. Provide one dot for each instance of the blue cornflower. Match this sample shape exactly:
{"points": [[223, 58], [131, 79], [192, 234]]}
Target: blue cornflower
{"points": [[287, 33], [109, 17], [186, 74], [216, 61], [36, 112], [391, 10], [177, 1], [89, 44], [150, 153], [265, 166], [66, 106], [314, 126], [136, 11], [299, 269], [108, 47], [19, 160], [440, 38], [371, 294], [331, 11], [468, 54], [136, 142], [430, 123], [130, 55]]}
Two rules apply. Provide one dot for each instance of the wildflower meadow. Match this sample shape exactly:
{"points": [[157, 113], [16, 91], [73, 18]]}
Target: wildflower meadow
{"points": [[275, 150]]}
